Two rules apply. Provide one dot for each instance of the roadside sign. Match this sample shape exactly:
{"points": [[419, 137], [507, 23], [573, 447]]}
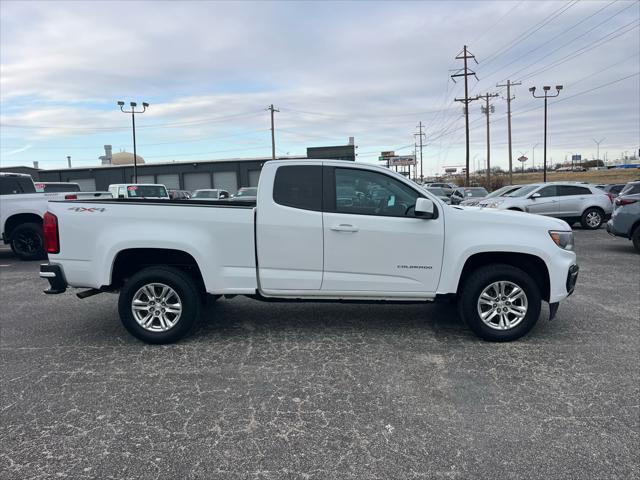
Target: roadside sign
{"points": [[388, 154], [402, 160], [522, 159]]}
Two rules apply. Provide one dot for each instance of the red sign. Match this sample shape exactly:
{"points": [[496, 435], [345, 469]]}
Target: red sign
{"points": [[132, 187]]}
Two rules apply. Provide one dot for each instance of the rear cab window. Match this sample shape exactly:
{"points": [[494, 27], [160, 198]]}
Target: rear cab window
{"points": [[299, 186], [15, 185]]}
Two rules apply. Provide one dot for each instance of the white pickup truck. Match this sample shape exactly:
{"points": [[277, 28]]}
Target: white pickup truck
{"points": [[22, 207], [318, 231]]}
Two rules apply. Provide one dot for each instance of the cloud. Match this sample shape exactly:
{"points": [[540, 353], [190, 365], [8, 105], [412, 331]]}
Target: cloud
{"points": [[366, 69]]}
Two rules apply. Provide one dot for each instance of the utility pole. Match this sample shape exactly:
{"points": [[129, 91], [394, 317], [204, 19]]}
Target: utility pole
{"points": [[420, 134], [486, 110], [466, 73], [598, 142], [273, 133], [509, 84], [133, 112], [69, 160], [546, 89]]}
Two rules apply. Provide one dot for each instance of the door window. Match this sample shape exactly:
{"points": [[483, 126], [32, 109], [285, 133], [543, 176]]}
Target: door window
{"points": [[363, 192], [548, 191], [566, 190], [299, 186]]}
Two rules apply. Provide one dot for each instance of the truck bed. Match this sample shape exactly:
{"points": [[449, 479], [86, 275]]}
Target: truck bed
{"points": [[219, 235]]}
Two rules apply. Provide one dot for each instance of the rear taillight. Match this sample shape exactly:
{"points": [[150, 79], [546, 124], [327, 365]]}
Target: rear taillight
{"points": [[611, 197], [71, 196], [50, 233], [625, 201]]}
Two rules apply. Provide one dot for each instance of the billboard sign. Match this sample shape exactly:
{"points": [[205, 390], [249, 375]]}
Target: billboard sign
{"points": [[387, 154], [576, 158], [401, 161]]}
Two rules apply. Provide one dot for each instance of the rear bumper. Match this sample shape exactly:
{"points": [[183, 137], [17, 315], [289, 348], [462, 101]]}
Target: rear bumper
{"points": [[55, 276], [611, 230]]}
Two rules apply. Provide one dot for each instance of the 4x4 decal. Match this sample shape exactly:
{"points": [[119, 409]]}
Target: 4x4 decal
{"points": [[83, 209]]}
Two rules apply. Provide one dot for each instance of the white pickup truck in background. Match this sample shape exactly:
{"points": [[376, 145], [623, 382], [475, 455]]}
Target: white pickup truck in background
{"points": [[22, 208], [318, 231]]}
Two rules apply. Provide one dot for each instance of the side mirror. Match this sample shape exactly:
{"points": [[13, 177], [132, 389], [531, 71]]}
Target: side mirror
{"points": [[424, 208], [535, 195]]}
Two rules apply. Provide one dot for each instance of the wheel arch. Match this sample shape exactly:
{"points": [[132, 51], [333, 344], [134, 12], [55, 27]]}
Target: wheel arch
{"points": [[531, 264], [18, 219], [129, 261]]}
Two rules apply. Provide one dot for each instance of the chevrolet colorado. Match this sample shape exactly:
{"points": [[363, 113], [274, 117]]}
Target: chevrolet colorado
{"points": [[318, 231]]}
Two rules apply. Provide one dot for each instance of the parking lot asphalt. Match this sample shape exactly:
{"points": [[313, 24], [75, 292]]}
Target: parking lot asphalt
{"points": [[322, 391]]}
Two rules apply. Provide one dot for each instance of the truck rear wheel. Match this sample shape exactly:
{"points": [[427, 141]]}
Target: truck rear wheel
{"points": [[500, 303], [27, 242], [160, 304]]}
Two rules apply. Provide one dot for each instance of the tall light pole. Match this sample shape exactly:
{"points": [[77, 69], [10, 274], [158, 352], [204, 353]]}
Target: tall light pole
{"points": [[133, 112], [546, 95]]}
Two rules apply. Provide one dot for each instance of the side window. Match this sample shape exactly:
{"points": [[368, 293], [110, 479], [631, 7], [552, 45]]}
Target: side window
{"points": [[566, 190], [8, 186], [26, 185], [549, 191], [299, 186], [363, 192]]}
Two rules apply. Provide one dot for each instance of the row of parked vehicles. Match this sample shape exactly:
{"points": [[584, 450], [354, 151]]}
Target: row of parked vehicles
{"points": [[573, 202]]}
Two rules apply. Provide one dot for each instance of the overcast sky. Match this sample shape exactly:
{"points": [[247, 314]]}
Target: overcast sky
{"points": [[334, 69]]}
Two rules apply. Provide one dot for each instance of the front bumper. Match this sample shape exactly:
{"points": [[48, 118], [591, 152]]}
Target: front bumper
{"points": [[572, 278], [55, 276]]}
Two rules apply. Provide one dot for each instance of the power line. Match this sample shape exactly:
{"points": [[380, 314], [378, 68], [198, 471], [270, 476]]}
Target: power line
{"points": [[527, 33], [564, 32], [153, 125], [600, 41]]}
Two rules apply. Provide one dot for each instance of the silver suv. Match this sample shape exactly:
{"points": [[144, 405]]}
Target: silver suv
{"points": [[572, 202]]}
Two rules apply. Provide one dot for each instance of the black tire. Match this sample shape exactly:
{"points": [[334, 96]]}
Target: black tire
{"points": [[590, 213], [635, 238], [27, 242], [482, 278], [188, 293]]}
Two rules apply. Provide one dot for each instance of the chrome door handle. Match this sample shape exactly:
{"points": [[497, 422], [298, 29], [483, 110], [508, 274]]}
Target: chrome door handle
{"points": [[344, 227]]}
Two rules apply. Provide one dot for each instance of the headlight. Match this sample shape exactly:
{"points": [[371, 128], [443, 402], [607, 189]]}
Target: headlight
{"points": [[493, 204], [562, 239]]}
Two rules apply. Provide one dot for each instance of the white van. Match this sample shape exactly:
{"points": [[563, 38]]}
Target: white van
{"points": [[138, 190]]}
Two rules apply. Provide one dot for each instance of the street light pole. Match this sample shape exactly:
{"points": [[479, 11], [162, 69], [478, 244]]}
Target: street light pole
{"points": [[133, 124], [533, 156], [598, 142], [546, 89]]}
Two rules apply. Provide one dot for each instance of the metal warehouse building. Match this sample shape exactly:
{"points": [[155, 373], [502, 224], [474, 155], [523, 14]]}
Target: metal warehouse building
{"points": [[229, 175]]}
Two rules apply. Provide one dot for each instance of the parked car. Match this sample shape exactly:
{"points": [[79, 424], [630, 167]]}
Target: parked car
{"points": [[465, 193], [179, 194], [472, 202], [48, 187], [300, 243], [246, 194], [447, 187], [625, 220], [613, 189], [210, 194], [569, 201], [631, 188], [440, 193], [138, 190]]}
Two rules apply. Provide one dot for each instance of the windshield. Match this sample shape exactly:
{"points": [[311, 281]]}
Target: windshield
{"points": [[436, 191], [475, 192], [247, 192], [521, 192], [205, 194], [501, 191], [147, 191]]}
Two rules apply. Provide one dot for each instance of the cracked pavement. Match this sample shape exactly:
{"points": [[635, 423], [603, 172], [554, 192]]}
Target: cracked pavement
{"points": [[323, 391]]}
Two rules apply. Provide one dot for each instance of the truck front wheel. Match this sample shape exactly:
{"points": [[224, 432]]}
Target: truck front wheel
{"points": [[159, 304], [499, 302], [26, 241]]}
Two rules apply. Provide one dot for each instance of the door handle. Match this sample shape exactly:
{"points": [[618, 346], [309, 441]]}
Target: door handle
{"points": [[344, 227]]}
